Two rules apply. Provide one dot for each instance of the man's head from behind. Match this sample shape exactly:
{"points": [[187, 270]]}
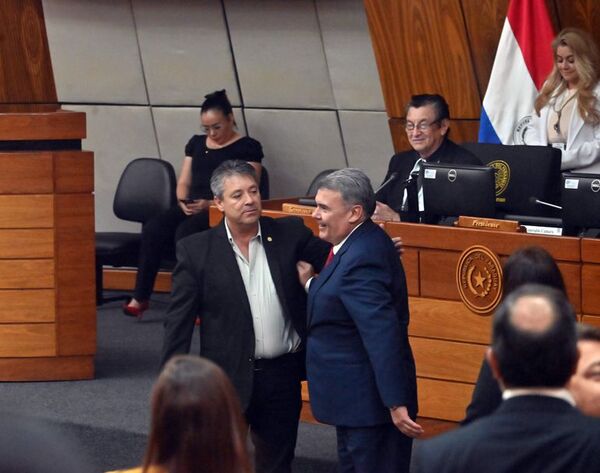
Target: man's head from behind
{"points": [[345, 199], [534, 343], [585, 383], [427, 122], [235, 188]]}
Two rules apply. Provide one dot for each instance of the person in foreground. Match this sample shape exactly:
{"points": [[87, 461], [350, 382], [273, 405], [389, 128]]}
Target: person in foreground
{"points": [[527, 265], [360, 367], [585, 382], [537, 427], [567, 110], [240, 278], [203, 154], [427, 126], [197, 424]]}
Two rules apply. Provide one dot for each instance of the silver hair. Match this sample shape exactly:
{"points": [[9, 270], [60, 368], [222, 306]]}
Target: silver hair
{"points": [[233, 167], [354, 186]]}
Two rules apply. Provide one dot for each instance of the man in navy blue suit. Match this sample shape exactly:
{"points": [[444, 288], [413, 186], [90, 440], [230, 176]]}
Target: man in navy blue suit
{"points": [[361, 372]]}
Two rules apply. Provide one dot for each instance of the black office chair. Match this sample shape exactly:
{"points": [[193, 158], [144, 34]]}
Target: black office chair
{"points": [[146, 188], [314, 185]]}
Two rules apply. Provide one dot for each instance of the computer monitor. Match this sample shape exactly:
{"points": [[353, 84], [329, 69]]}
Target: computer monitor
{"points": [[527, 177], [581, 200], [452, 190]]}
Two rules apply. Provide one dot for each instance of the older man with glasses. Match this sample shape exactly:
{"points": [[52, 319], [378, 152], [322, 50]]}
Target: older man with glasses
{"points": [[427, 125]]}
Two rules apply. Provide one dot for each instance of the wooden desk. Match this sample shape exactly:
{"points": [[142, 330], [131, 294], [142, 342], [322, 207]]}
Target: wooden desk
{"points": [[448, 340], [47, 295]]}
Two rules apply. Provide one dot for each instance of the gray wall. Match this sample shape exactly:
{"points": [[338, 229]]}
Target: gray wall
{"points": [[300, 73]]}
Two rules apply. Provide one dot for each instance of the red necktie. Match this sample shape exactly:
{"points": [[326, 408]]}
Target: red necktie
{"points": [[329, 258]]}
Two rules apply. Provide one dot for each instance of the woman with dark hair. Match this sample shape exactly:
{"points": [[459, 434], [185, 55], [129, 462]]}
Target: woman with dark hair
{"points": [[197, 424], [531, 264], [568, 106], [203, 154]]}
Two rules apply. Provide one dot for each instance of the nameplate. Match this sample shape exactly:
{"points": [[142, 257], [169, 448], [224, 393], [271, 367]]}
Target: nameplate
{"points": [[489, 224], [297, 209]]}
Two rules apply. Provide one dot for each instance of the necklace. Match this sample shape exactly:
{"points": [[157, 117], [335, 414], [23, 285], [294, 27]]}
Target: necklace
{"points": [[559, 112]]}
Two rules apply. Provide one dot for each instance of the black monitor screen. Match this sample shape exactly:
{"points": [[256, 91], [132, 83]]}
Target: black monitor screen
{"points": [[581, 200], [451, 190], [525, 175]]}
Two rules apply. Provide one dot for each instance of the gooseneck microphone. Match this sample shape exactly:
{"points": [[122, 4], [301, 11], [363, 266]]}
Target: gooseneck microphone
{"points": [[535, 200], [388, 181]]}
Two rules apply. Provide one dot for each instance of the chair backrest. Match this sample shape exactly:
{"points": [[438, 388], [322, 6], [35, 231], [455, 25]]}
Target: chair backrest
{"points": [[146, 188], [314, 185], [264, 184]]}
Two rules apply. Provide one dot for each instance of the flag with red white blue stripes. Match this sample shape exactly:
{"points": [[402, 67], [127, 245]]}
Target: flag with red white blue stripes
{"points": [[523, 60]]}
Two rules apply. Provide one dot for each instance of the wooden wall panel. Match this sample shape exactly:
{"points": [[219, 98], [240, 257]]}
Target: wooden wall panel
{"points": [[440, 359], [25, 66], [26, 211], [438, 270], [46, 369], [62, 125], [74, 172], [443, 399], [590, 294], [421, 47], [591, 320], [27, 340], [584, 14], [27, 274], [447, 320], [35, 243], [27, 305], [31, 173], [410, 261], [75, 278]]}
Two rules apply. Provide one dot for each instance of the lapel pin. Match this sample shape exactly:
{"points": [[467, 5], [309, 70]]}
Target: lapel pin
{"points": [[269, 238]]}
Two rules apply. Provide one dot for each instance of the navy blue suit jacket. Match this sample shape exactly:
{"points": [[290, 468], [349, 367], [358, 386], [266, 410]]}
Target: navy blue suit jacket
{"points": [[359, 361]]}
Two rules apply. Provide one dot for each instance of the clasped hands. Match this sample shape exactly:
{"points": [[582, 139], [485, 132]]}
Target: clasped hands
{"points": [[195, 206]]}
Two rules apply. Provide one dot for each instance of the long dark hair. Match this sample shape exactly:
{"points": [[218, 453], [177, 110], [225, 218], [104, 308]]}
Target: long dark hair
{"points": [[197, 424], [531, 264]]}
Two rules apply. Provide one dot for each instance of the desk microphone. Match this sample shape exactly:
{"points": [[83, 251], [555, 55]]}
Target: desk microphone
{"points": [[535, 200], [388, 181]]}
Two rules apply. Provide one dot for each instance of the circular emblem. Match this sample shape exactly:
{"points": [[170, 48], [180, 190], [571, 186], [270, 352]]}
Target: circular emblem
{"points": [[452, 175], [595, 185], [502, 175], [522, 129], [479, 279]]}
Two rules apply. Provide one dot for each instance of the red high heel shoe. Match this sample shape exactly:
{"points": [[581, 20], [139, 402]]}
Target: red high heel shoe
{"points": [[135, 311]]}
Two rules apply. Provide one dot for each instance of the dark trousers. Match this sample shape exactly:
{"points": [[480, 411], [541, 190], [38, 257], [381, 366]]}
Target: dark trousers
{"points": [[158, 234], [376, 449], [274, 411]]}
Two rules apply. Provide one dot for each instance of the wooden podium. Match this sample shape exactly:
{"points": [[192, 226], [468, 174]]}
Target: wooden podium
{"points": [[447, 338], [47, 296]]}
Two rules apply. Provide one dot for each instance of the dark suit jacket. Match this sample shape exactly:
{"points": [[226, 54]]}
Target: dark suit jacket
{"points": [[487, 395], [402, 163], [525, 434], [207, 283], [359, 361]]}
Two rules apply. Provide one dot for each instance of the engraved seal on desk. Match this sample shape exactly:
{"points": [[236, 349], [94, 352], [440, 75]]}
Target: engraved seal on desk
{"points": [[502, 175], [479, 279]]}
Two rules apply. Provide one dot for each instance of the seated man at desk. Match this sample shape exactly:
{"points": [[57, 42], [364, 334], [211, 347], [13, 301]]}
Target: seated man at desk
{"points": [[427, 125]]}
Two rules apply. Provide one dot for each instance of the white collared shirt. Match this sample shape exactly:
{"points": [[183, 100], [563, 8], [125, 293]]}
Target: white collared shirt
{"points": [[274, 333], [416, 168], [559, 393]]}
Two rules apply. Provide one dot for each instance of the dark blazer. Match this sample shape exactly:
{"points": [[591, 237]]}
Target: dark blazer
{"points": [[402, 163], [359, 361], [525, 434], [487, 395], [207, 283]]}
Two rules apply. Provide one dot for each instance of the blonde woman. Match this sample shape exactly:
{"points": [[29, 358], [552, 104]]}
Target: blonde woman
{"points": [[567, 110]]}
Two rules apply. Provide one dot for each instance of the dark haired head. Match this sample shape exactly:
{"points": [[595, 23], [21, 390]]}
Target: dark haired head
{"points": [[217, 101], [531, 264], [588, 333], [533, 341], [232, 167], [196, 420], [442, 110]]}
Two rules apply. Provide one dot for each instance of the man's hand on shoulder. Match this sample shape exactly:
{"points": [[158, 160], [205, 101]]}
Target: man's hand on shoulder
{"points": [[404, 423], [385, 213], [305, 272]]}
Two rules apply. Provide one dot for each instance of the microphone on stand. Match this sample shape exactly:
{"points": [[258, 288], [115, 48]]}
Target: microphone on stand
{"points": [[535, 200]]}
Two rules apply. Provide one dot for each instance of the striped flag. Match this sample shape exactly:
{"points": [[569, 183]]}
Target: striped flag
{"points": [[523, 60]]}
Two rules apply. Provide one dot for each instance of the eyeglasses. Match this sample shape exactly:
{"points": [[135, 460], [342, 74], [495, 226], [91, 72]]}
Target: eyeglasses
{"points": [[421, 126]]}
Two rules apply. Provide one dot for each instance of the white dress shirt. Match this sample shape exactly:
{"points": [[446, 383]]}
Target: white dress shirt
{"points": [[274, 333]]}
